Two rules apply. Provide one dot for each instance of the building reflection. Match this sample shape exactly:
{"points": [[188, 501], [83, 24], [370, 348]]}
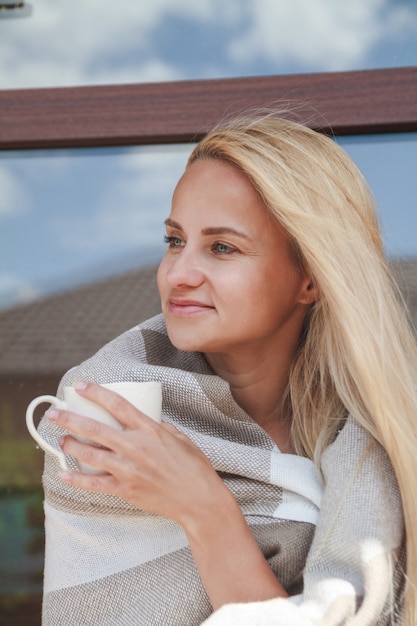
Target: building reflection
{"points": [[38, 343]]}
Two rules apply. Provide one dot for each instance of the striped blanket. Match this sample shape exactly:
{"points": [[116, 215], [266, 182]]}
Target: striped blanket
{"points": [[108, 563]]}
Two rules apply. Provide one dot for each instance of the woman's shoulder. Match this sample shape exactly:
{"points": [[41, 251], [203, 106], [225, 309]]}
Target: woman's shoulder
{"points": [[352, 441], [355, 462], [353, 445]]}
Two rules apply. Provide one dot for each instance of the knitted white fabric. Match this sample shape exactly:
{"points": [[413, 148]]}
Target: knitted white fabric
{"points": [[109, 563]]}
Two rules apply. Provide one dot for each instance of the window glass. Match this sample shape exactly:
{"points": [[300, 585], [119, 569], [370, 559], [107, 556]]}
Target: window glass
{"points": [[388, 163], [69, 219], [59, 43]]}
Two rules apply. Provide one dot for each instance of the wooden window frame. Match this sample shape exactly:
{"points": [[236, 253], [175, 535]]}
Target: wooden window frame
{"points": [[342, 103]]}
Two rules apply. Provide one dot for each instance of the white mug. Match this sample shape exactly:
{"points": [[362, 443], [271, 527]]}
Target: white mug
{"points": [[145, 396]]}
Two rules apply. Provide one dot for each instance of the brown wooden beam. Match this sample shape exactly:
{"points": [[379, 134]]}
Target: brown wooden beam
{"points": [[361, 102]]}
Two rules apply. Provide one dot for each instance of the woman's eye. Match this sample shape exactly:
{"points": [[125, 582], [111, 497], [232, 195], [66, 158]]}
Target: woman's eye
{"points": [[222, 248], [173, 242]]}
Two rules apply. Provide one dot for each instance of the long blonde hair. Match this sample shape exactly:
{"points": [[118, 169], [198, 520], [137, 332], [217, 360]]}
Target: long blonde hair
{"points": [[358, 354]]}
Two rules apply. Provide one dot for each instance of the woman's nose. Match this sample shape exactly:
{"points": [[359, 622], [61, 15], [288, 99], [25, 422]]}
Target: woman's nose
{"points": [[184, 270]]}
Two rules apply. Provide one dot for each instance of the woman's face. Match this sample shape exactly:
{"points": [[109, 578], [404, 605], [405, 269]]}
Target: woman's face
{"points": [[227, 281]]}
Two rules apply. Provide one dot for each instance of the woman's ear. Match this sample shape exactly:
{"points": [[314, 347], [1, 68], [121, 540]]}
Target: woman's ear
{"points": [[309, 291]]}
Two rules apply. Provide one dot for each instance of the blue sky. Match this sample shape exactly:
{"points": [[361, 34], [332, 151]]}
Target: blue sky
{"points": [[73, 42], [70, 217]]}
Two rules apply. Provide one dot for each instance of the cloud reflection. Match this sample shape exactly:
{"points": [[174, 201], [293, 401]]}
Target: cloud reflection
{"points": [[67, 43], [13, 198], [130, 207], [83, 212]]}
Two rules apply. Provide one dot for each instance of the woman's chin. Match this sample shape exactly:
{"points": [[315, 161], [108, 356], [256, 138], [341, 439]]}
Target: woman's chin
{"points": [[184, 342]]}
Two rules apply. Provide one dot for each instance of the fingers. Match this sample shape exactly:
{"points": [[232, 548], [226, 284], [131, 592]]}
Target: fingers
{"points": [[84, 427], [116, 447], [127, 416], [87, 454], [98, 483], [122, 410]]}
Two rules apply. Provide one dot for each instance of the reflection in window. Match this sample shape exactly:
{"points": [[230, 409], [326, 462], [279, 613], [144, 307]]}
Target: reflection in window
{"points": [[80, 237], [171, 40], [388, 163], [67, 219]]}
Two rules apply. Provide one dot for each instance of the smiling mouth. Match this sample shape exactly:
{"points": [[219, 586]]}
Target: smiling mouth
{"points": [[187, 307]]}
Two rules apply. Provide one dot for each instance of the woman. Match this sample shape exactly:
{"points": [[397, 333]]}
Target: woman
{"points": [[279, 487]]}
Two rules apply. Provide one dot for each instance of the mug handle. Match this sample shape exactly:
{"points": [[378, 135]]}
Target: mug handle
{"points": [[54, 401]]}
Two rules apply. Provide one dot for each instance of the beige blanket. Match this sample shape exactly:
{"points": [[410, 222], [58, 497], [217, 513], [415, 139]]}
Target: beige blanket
{"points": [[108, 563]]}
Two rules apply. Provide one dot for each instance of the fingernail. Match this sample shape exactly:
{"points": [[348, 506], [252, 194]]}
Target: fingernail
{"points": [[61, 441], [53, 415], [80, 385]]}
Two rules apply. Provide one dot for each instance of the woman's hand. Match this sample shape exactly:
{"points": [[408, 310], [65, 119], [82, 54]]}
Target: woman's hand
{"points": [[153, 466], [158, 469]]}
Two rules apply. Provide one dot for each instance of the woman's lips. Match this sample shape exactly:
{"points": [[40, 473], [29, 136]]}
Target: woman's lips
{"points": [[187, 307]]}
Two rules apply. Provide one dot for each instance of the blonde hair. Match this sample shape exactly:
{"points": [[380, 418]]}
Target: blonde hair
{"points": [[358, 354]]}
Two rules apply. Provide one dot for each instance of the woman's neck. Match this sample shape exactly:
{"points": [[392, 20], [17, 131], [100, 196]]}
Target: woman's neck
{"points": [[259, 388]]}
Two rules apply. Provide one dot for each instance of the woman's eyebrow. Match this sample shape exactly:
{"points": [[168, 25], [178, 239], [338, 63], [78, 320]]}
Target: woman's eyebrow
{"points": [[210, 230], [172, 224], [223, 230]]}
